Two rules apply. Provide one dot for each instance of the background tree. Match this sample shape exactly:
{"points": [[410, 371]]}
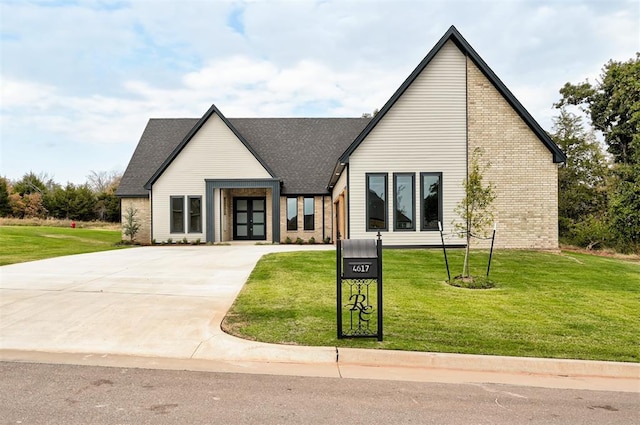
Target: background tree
{"points": [[17, 205], [105, 184], [475, 209], [624, 206], [5, 208], [33, 206], [30, 183], [72, 202], [582, 195], [613, 104]]}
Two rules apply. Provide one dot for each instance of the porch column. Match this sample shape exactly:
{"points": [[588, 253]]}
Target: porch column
{"points": [[275, 212]]}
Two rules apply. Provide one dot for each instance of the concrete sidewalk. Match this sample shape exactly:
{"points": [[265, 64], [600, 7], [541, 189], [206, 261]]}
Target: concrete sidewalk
{"points": [[161, 307]]}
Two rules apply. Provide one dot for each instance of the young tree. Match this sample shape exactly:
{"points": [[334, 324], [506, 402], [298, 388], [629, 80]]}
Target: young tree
{"points": [[131, 224], [475, 209]]}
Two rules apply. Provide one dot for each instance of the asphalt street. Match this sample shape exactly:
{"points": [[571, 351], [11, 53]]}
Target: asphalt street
{"points": [[67, 394]]}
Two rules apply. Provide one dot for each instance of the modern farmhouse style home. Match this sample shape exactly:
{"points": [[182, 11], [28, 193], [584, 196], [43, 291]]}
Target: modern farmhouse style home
{"points": [[220, 179]]}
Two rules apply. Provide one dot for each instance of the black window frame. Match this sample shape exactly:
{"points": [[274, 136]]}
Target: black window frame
{"points": [[413, 202], [292, 225], [190, 214], [172, 212], [309, 217], [423, 220], [368, 176]]}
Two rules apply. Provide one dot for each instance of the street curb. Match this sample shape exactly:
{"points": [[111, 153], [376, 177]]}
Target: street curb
{"points": [[483, 363]]}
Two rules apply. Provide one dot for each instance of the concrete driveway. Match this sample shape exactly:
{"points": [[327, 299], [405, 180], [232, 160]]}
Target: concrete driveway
{"points": [[149, 301], [161, 307]]}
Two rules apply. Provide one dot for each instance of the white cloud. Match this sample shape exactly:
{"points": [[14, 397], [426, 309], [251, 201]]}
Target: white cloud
{"points": [[90, 74]]}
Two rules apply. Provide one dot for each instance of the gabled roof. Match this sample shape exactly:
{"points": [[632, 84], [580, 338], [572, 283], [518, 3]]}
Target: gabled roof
{"points": [[299, 151], [159, 139], [212, 110], [453, 35]]}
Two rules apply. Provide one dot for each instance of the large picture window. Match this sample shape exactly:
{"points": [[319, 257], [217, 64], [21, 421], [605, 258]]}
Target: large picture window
{"points": [[431, 200], [376, 201], [309, 214], [195, 214], [404, 202], [177, 214], [292, 213]]}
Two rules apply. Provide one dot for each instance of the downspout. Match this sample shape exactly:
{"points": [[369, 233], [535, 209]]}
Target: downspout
{"points": [[323, 220], [151, 215]]}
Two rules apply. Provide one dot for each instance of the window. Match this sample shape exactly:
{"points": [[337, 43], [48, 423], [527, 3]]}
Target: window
{"points": [[404, 202], [177, 214], [376, 201], [195, 214], [292, 213], [309, 207], [431, 199]]}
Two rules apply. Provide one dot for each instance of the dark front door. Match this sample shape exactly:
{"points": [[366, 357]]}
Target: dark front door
{"points": [[249, 219]]}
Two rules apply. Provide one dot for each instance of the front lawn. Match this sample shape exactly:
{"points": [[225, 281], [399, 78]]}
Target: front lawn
{"points": [[27, 243], [565, 305]]}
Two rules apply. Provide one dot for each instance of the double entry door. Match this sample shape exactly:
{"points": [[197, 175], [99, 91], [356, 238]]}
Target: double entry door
{"points": [[249, 218]]}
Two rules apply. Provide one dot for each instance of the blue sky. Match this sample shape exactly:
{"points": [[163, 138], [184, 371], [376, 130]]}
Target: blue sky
{"points": [[79, 79]]}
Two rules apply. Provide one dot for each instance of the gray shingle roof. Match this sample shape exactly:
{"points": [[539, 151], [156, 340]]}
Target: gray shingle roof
{"points": [[300, 151]]}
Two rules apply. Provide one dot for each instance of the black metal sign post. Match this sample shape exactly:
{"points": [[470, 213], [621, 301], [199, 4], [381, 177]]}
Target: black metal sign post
{"points": [[359, 288]]}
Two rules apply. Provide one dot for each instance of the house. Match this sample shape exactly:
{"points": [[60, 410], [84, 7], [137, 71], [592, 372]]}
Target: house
{"points": [[401, 172]]}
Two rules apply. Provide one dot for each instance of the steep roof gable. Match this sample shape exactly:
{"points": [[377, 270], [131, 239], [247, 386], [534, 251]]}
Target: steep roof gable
{"points": [[453, 35], [212, 110], [300, 151], [159, 138]]}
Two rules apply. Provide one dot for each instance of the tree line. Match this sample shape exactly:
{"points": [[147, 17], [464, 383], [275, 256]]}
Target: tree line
{"points": [[599, 190], [38, 196]]}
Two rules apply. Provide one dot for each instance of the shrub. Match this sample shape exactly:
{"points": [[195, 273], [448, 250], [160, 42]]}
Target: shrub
{"points": [[185, 240], [312, 240], [287, 240], [327, 240], [131, 224], [169, 241], [299, 241]]}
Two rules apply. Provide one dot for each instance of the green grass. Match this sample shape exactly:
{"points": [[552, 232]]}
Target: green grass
{"points": [[27, 243], [544, 305]]}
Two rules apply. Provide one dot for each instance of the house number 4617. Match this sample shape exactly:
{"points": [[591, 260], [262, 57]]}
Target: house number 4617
{"points": [[360, 268]]}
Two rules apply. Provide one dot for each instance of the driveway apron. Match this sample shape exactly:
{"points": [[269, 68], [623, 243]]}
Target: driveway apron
{"points": [[148, 301]]}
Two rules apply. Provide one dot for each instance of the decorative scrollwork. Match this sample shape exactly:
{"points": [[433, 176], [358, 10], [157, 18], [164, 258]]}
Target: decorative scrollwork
{"points": [[360, 308]]}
